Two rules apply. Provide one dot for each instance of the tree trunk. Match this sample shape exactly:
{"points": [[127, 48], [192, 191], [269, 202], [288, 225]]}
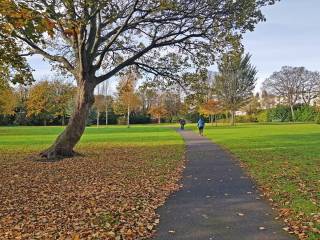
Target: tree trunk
{"points": [[232, 117], [211, 120], [159, 119], [106, 117], [292, 113], [227, 116], [45, 122], [62, 120], [128, 118], [215, 120], [98, 118], [64, 144], [106, 113]]}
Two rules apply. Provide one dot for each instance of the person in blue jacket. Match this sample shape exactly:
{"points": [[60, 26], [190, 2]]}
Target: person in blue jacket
{"points": [[201, 124]]}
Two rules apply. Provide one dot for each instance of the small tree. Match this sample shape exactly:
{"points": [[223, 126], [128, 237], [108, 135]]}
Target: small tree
{"points": [[41, 101], [127, 99], [158, 109], [99, 105], [8, 100], [235, 81], [158, 112], [63, 99], [253, 105], [148, 95], [267, 100], [210, 108]]}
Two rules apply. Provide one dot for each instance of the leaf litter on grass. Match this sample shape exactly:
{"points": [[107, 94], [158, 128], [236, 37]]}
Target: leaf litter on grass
{"points": [[106, 193]]}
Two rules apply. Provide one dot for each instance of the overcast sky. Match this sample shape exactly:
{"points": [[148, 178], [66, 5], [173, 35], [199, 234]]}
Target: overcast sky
{"points": [[290, 36]]}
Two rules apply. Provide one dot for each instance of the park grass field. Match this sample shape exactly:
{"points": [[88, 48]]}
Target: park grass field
{"points": [[284, 159], [109, 191], [122, 175], [36, 138]]}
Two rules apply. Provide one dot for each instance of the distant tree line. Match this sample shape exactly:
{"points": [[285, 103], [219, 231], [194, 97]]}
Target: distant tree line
{"points": [[46, 102], [292, 94], [51, 103]]}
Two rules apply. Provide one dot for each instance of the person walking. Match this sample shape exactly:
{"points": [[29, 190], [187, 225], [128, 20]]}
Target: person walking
{"points": [[201, 124], [182, 123]]}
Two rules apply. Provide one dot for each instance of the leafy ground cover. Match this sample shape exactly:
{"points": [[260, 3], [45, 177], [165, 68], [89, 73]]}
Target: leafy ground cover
{"points": [[110, 191], [284, 159]]}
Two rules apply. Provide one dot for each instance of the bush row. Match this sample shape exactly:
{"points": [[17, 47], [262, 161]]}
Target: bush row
{"points": [[281, 113]]}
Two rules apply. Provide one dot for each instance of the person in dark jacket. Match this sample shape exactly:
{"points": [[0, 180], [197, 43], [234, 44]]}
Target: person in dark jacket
{"points": [[201, 124], [182, 123]]}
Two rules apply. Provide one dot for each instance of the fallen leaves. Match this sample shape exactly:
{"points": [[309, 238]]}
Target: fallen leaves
{"points": [[107, 193]]}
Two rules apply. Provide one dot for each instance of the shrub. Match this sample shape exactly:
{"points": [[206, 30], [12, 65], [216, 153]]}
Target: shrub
{"points": [[263, 116], [246, 118], [140, 119], [122, 120], [317, 120], [280, 114], [305, 113]]}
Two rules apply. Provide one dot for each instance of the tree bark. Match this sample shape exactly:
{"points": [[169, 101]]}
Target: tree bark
{"points": [[159, 119], [66, 141], [106, 112], [107, 117], [128, 118], [227, 116], [292, 113], [98, 118], [232, 117]]}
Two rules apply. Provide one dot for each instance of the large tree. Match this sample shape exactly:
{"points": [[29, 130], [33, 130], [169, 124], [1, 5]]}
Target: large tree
{"points": [[310, 87], [294, 84], [84, 36], [235, 81]]}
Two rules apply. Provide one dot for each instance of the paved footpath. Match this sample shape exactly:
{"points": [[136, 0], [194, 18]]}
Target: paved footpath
{"points": [[217, 202]]}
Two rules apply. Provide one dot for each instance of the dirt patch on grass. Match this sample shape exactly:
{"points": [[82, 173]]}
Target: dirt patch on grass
{"points": [[108, 193]]}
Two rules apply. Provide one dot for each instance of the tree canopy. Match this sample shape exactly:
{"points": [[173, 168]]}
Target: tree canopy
{"points": [[235, 81], [83, 35]]}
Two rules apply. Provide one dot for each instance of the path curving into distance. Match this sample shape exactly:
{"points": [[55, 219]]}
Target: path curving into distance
{"points": [[217, 202]]}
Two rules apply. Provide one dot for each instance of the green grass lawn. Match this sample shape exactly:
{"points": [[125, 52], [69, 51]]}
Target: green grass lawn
{"points": [[37, 138], [285, 160]]}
